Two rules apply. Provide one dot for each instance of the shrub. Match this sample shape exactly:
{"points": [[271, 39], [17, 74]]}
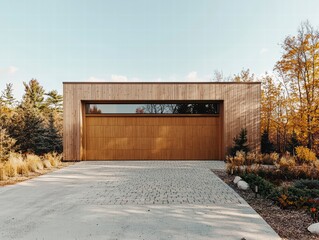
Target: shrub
{"points": [[286, 162], [40, 165], [54, 158], [234, 162], [292, 143], [305, 155], [46, 164], [269, 158], [23, 169], [21, 166], [265, 159], [303, 193], [251, 158], [274, 157], [265, 188], [285, 201], [34, 162], [3, 174], [240, 142], [6, 144], [307, 184], [239, 158], [313, 206], [10, 169], [266, 145]]}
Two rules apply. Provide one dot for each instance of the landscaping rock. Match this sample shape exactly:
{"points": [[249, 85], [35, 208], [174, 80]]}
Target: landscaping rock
{"points": [[237, 179], [314, 228], [242, 185]]}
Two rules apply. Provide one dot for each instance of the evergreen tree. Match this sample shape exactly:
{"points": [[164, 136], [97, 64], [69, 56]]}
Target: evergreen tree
{"points": [[54, 101], [7, 106], [266, 145], [7, 99], [240, 142], [29, 131], [33, 126], [293, 143], [33, 96], [54, 140]]}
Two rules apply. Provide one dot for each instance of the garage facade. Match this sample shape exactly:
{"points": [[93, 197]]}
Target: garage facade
{"points": [[158, 121]]}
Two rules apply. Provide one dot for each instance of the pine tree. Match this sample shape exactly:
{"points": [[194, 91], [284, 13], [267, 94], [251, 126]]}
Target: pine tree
{"points": [[266, 145], [54, 140], [29, 131], [33, 96], [240, 142], [7, 99], [7, 103], [293, 143], [54, 101]]}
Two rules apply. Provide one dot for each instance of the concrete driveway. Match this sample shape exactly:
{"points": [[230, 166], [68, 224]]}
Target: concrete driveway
{"points": [[129, 200]]}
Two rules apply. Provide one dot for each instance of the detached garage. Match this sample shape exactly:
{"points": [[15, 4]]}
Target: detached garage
{"points": [[158, 121]]}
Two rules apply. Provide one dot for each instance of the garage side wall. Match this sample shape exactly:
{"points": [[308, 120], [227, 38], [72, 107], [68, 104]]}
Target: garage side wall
{"points": [[241, 102]]}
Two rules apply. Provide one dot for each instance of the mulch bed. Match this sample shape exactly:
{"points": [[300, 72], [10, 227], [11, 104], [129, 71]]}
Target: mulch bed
{"points": [[289, 224]]}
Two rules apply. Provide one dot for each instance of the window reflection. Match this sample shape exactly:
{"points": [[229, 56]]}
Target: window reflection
{"points": [[154, 108]]}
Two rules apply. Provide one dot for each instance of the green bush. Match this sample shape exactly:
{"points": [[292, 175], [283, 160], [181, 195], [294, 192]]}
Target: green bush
{"points": [[307, 184], [303, 193], [240, 143], [294, 197], [265, 188]]}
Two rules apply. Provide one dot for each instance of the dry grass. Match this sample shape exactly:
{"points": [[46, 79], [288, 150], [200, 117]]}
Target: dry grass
{"points": [[46, 164], [286, 163], [34, 162], [20, 167], [17, 161], [54, 158], [3, 175], [10, 169]]}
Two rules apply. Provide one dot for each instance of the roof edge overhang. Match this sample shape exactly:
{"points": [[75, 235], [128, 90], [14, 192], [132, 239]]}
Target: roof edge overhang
{"points": [[162, 83]]}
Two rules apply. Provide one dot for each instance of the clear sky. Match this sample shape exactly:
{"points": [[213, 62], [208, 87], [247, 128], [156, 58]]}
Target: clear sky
{"points": [[143, 40]]}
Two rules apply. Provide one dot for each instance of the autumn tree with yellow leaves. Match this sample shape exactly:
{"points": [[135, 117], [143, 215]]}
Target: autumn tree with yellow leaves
{"points": [[290, 95], [298, 71]]}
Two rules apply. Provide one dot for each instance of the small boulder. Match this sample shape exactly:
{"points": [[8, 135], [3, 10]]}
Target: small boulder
{"points": [[237, 179], [242, 185], [314, 228]]}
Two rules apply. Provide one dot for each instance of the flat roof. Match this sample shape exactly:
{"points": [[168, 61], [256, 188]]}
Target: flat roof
{"points": [[161, 82]]}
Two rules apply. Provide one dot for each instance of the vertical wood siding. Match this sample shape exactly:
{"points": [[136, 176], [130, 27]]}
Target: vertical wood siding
{"points": [[241, 106]]}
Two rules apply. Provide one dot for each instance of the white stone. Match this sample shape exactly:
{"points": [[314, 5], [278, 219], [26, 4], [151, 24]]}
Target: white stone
{"points": [[314, 228], [242, 185], [237, 179]]}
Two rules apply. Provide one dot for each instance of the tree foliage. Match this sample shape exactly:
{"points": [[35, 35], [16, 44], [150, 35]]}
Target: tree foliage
{"points": [[244, 76], [33, 96], [30, 132], [240, 142], [54, 139], [298, 71], [292, 143], [266, 145], [7, 144], [32, 125]]}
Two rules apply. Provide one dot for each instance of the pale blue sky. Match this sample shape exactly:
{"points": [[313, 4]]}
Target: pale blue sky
{"points": [[142, 40]]}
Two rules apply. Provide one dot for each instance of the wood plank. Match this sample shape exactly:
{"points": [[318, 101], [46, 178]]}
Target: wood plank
{"points": [[150, 138], [240, 108]]}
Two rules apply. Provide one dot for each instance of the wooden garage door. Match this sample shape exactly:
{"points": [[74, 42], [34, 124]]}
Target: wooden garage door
{"points": [[152, 138]]}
